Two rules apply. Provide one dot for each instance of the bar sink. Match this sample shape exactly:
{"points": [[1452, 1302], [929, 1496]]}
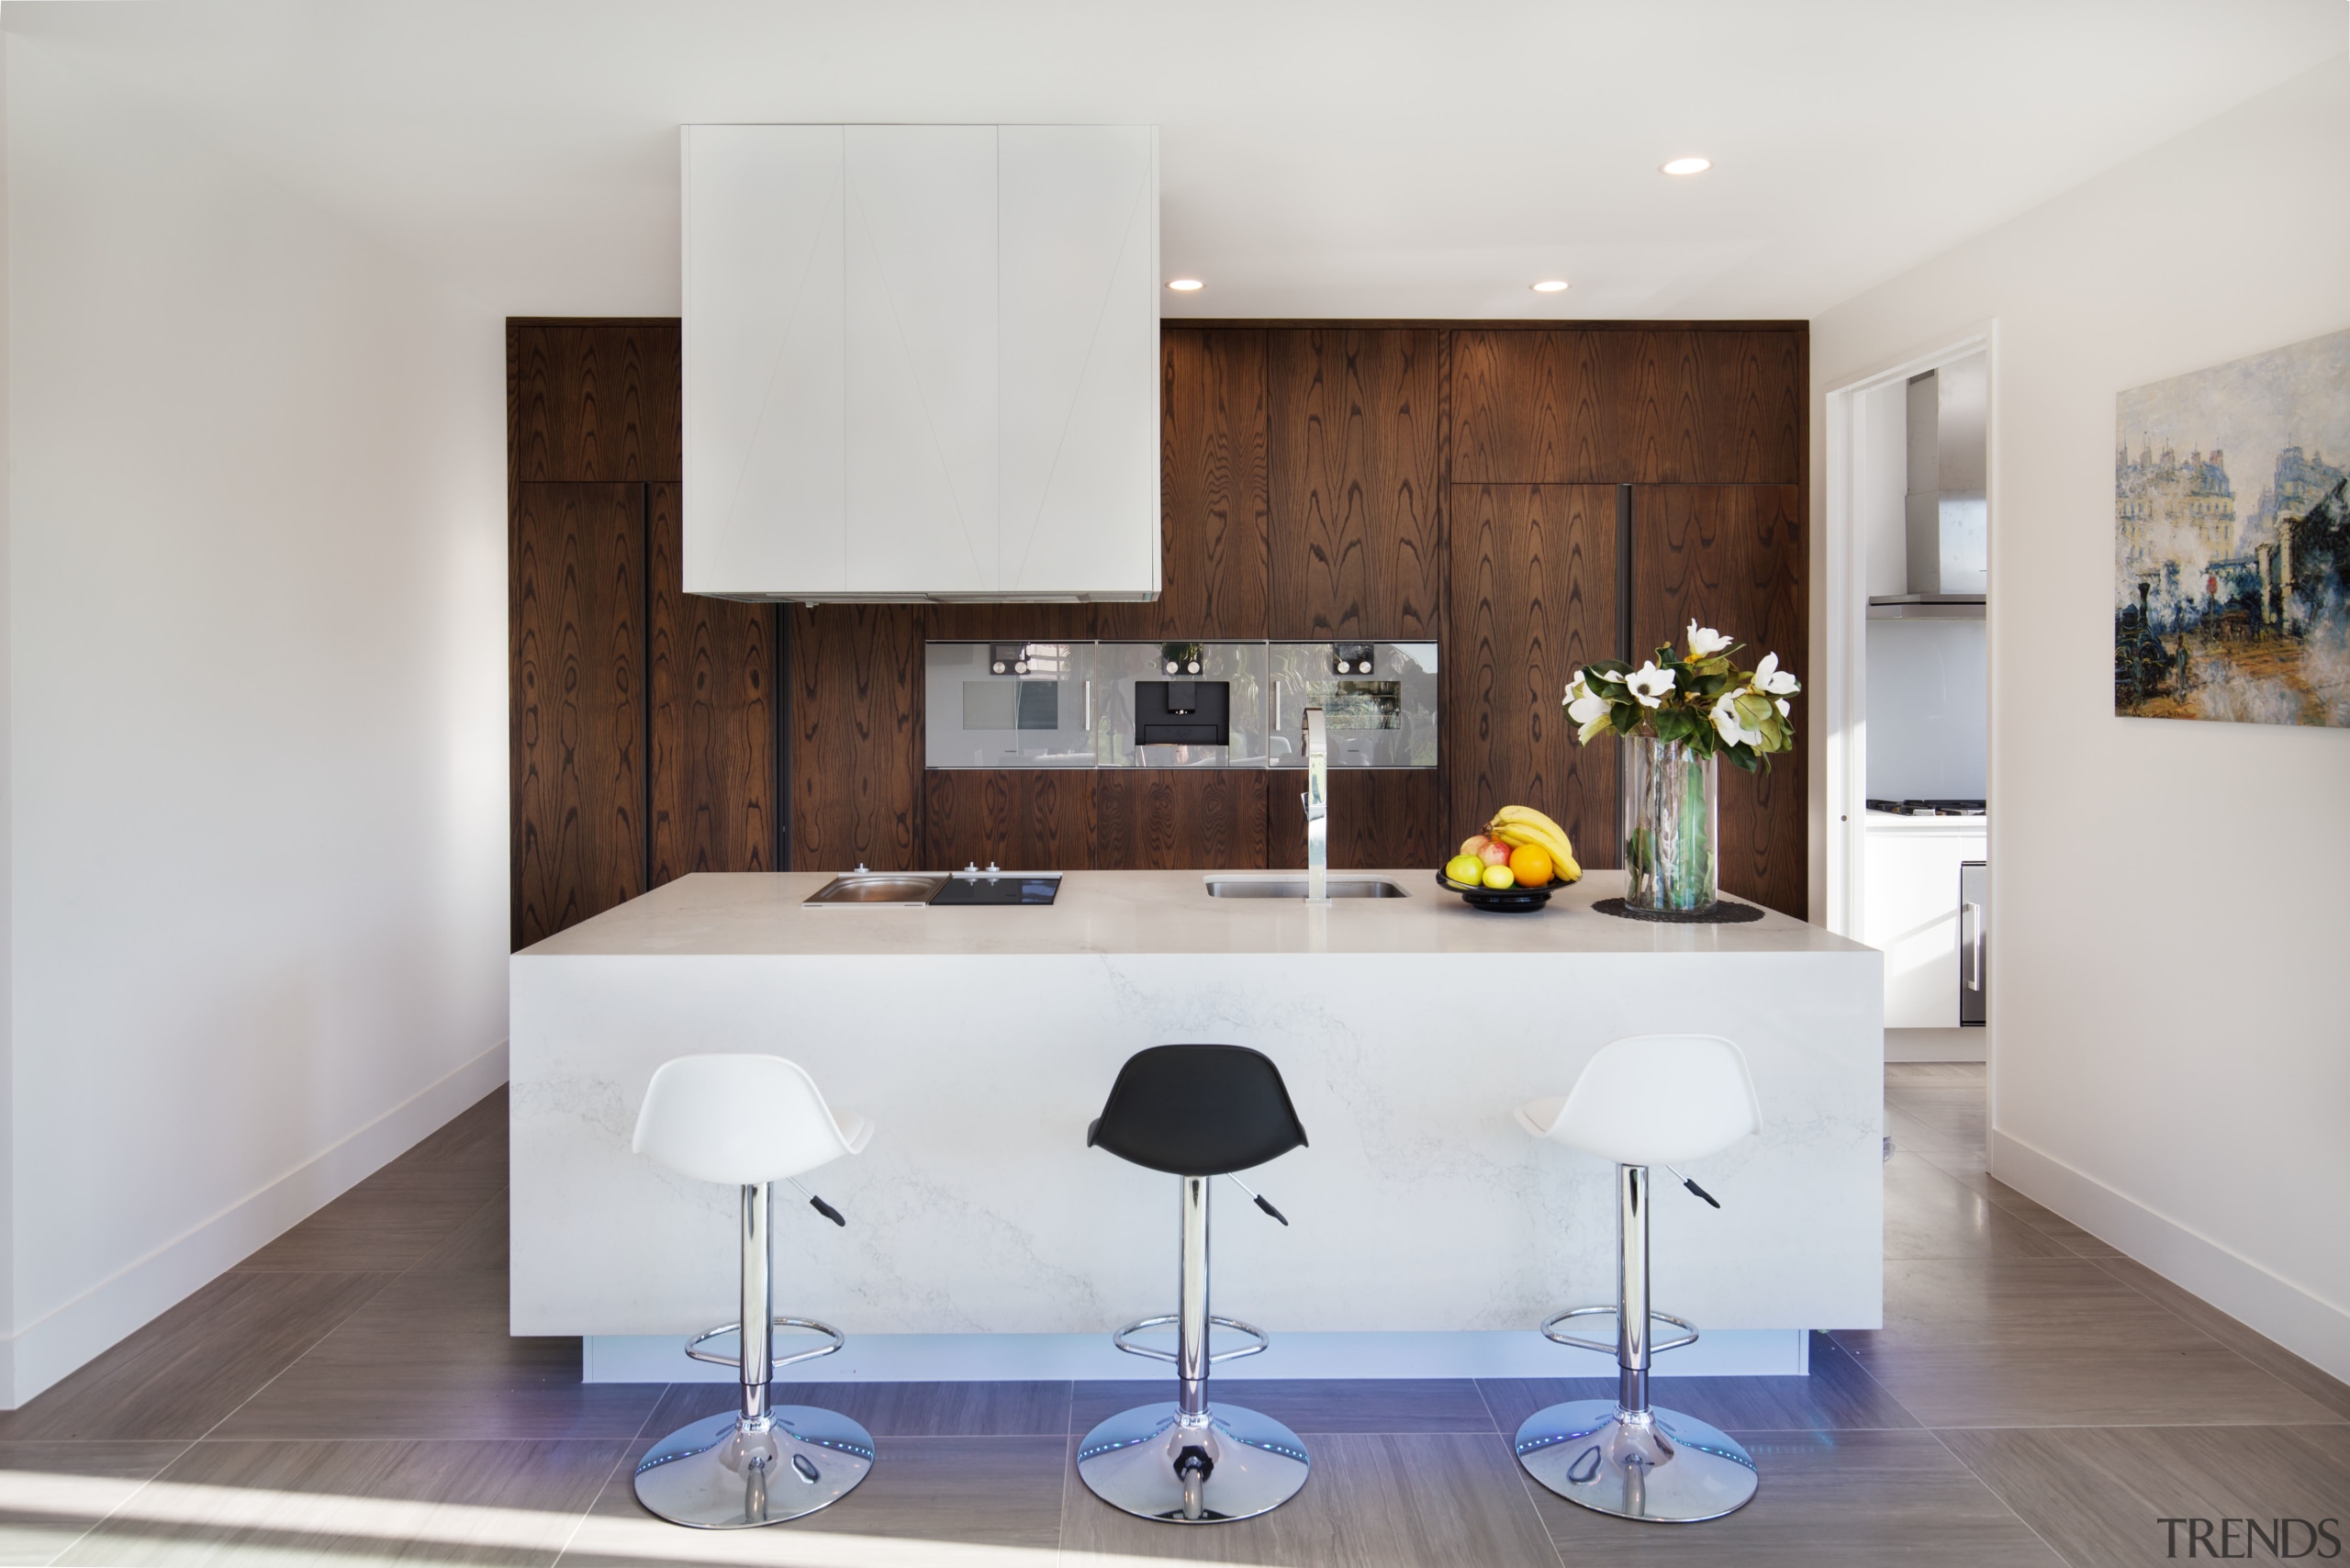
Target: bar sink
{"points": [[877, 890], [1341, 886]]}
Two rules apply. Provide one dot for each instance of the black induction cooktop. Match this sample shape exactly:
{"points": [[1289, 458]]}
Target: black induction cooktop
{"points": [[999, 888]]}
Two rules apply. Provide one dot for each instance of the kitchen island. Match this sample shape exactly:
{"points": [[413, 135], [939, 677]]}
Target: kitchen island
{"points": [[1429, 1234]]}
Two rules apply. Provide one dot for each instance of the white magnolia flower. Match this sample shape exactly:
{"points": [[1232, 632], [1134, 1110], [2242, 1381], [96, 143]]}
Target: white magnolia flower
{"points": [[1782, 706], [1704, 641], [1773, 681], [1650, 684], [1584, 705], [1727, 724]]}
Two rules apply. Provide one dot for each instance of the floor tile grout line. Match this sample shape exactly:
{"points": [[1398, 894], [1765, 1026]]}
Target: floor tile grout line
{"points": [[2054, 1551], [2096, 1261], [391, 1278], [1483, 1399], [1526, 1484], [299, 1357], [1875, 1381], [2132, 1286], [589, 1511], [131, 1497], [1068, 1468]]}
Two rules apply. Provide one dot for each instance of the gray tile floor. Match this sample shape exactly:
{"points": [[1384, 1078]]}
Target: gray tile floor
{"points": [[350, 1396]]}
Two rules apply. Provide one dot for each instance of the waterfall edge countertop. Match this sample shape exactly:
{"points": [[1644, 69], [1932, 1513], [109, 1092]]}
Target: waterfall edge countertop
{"points": [[1150, 912], [982, 1041]]}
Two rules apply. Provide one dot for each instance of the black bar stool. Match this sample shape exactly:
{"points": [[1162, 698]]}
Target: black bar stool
{"points": [[1196, 1112]]}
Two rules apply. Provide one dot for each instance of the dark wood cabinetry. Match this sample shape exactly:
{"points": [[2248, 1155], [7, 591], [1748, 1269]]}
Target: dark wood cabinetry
{"points": [[576, 702], [642, 722], [1628, 405], [857, 718], [1379, 817], [1170, 819], [711, 727], [1213, 510], [1356, 479], [1527, 495], [1535, 597], [1732, 556]]}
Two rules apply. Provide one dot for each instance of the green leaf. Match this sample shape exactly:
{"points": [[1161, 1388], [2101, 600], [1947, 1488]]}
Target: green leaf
{"points": [[1626, 718]]}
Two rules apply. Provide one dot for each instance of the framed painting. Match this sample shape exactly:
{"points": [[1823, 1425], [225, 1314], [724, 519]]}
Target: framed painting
{"points": [[2231, 541]]}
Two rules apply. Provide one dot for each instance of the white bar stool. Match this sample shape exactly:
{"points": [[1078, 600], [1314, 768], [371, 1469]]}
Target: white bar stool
{"points": [[749, 1121], [1648, 1100]]}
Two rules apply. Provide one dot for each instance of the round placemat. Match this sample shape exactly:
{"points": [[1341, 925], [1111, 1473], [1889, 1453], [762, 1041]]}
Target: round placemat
{"points": [[1723, 914]]}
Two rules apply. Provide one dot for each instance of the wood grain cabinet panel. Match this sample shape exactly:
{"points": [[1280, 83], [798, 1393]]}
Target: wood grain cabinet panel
{"points": [[1380, 818], [576, 702], [712, 728], [1700, 405], [1536, 407], [1020, 819], [1533, 598], [1355, 469], [1732, 558], [1176, 818], [593, 401], [1211, 491], [856, 746]]}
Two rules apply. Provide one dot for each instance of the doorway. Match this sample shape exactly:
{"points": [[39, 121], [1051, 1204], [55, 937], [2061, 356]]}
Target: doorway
{"points": [[1910, 685]]}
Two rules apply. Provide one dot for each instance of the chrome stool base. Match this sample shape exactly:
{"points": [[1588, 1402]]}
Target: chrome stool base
{"points": [[721, 1474], [1240, 1464], [1657, 1464]]}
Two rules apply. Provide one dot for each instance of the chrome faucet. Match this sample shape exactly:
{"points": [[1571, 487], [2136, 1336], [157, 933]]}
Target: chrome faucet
{"points": [[1317, 807]]}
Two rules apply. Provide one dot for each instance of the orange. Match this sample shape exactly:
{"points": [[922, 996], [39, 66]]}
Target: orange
{"points": [[1530, 863]]}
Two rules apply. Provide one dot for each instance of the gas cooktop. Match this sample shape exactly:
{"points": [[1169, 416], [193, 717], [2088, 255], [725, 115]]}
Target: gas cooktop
{"points": [[1928, 808]]}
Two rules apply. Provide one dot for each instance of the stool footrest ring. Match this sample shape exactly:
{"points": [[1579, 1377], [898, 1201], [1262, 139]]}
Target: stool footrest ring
{"points": [[1264, 1339], [836, 1336], [1550, 1331]]}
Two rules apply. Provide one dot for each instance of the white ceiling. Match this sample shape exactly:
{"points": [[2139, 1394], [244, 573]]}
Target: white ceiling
{"points": [[1320, 157]]}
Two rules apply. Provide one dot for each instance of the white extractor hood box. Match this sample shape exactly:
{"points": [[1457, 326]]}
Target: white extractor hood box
{"points": [[920, 362]]}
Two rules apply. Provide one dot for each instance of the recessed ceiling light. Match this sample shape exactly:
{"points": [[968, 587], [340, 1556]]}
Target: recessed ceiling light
{"points": [[1688, 165], [1550, 285], [1184, 284]]}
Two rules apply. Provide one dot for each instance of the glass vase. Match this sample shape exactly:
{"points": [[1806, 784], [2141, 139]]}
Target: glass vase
{"points": [[1668, 808]]}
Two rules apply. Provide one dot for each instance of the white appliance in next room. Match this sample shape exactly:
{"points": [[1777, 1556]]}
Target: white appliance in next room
{"points": [[1916, 914], [920, 362]]}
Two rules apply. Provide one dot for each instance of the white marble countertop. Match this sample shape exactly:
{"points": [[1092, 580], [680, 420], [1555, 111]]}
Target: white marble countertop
{"points": [[1145, 912]]}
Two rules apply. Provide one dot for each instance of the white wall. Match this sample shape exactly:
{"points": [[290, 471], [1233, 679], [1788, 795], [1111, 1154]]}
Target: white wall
{"points": [[1928, 692], [256, 725], [2171, 1052]]}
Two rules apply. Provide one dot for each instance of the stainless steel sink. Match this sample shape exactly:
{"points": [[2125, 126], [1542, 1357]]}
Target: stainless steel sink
{"points": [[877, 890], [1295, 888]]}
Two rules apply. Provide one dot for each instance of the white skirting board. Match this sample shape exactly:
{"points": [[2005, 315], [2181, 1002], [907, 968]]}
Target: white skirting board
{"points": [[972, 1358], [1937, 1045], [2313, 1328], [84, 1327]]}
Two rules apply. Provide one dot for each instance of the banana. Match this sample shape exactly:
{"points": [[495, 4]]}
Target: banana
{"points": [[1524, 824]]}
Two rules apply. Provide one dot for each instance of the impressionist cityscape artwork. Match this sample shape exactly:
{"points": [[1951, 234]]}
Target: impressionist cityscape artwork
{"points": [[2225, 606]]}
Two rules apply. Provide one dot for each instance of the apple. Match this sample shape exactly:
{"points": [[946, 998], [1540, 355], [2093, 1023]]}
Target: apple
{"points": [[1465, 869], [1475, 846]]}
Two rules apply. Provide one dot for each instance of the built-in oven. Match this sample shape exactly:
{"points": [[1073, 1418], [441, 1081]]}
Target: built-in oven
{"points": [[1194, 704], [1009, 705], [1377, 703]]}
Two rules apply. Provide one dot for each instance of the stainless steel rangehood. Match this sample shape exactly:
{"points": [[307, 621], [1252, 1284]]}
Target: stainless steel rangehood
{"points": [[920, 362], [1947, 517]]}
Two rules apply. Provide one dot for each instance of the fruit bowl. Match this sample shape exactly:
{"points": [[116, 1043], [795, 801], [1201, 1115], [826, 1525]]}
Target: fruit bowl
{"points": [[1500, 901]]}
